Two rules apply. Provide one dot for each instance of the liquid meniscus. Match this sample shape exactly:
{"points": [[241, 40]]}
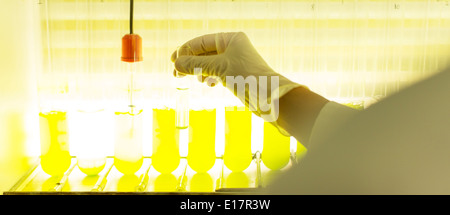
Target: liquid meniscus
{"points": [[91, 166]]}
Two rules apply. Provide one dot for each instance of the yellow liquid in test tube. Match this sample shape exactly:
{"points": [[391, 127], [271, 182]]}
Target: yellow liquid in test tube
{"points": [[276, 148], [238, 126], [128, 156], [55, 156], [202, 135], [166, 155]]}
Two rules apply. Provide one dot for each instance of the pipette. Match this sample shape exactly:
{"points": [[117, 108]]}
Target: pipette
{"points": [[293, 157], [219, 182]]}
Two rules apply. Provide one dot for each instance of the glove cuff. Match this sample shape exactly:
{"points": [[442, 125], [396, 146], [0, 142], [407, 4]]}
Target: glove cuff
{"points": [[279, 92], [261, 97]]}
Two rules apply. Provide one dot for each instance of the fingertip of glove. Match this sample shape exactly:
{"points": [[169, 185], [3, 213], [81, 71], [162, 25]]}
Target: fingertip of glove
{"points": [[179, 64], [173, 57]]}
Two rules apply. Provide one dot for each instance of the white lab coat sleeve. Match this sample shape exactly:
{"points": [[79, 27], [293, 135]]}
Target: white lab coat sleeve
{"points": [[398, 146], [331, 117]]}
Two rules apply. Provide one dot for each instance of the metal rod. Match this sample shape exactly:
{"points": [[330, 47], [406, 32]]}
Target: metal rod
{"points": [[131, 16], [101, 182], [219, 182], [59, 186], [29, 176], [293, 157], [143, 180], [257, 158], [131, 89], [182, 181]]}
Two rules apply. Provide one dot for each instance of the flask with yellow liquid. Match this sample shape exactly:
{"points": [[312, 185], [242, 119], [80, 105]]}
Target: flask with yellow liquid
{"points": [[55, 156]]}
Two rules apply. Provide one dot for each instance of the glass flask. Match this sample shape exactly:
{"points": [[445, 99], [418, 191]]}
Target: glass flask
{"points": [[53, 91], [55, 156]]}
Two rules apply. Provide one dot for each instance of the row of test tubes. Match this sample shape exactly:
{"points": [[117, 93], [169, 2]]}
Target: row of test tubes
{"points": [[128, 142], [165, 159]]}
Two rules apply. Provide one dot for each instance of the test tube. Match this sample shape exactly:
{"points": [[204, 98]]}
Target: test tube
{"points": [[238, 126], [128, 155], [166, 155], [182, 108], [276, 148], [201, 149], [182, 93], [88, 135]]}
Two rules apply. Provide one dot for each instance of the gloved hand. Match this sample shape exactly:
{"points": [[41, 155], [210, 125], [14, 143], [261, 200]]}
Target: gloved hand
{"points": [[232, 59]]}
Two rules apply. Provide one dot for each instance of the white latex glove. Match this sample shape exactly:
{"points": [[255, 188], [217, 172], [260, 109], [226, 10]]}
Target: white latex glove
{"points": [[229, 55]]}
